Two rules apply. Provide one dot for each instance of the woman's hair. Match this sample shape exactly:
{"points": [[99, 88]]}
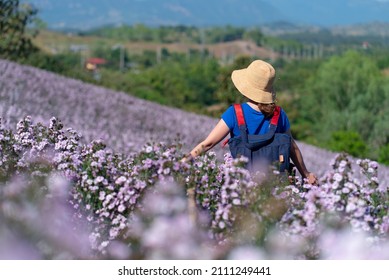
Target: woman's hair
{"points": [[267, 109]]}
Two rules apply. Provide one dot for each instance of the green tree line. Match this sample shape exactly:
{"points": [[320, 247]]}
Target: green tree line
{"points": [[179, 33]]}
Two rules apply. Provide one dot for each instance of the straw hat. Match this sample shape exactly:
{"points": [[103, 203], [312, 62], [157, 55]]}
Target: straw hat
{"points": [[256, 81]]}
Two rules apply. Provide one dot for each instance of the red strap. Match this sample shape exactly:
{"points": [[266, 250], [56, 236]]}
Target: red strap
{"points": [[239, 114], [240, 118], [276, 115]]}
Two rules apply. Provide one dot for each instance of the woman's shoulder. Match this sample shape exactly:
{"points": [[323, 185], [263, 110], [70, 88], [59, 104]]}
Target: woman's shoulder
{"points": [[284, 121], [246, 108], [283, 112], [229, 116], [229, 110]]}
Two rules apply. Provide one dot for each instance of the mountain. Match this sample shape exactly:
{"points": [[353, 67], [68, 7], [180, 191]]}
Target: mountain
{"points": [[334, 12], [86, 14]]}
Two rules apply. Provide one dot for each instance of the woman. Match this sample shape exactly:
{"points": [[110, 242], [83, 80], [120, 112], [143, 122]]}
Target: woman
{"points": [[256, 83]]}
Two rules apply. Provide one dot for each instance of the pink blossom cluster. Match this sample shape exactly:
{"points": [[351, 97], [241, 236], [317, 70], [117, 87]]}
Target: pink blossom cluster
{"points": [[107, 187], [126, 206], [363, 204]]}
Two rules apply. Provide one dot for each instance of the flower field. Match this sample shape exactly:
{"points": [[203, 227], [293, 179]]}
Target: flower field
{"points": [[114, 186]]}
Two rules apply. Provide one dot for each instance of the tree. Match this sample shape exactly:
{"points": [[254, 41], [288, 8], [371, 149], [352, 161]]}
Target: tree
{"points": [[384, 154], [255, 35], [349, 142], [345, 93], [14, 18], [226, 92]]}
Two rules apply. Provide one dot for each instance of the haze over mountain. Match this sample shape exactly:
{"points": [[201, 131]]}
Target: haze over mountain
{"points": [[86, 14]]}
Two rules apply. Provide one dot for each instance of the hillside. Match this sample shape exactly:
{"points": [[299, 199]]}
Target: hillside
{"points": [[124, 122], [372, 29]]}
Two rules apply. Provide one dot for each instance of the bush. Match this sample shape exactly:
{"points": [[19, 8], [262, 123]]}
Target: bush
{"points": [[384, 154], [348, 141]]}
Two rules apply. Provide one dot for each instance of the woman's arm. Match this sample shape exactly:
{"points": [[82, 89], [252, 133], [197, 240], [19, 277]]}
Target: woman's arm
{"points": [[218, 133], [298, 160]]}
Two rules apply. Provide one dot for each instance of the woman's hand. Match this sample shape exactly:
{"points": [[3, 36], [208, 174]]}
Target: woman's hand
{"points": [[218, 133], [187, 158], [312, 179]]}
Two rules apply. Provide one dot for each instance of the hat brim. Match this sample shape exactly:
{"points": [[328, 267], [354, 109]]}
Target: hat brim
{"points": [[243, 85]]}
